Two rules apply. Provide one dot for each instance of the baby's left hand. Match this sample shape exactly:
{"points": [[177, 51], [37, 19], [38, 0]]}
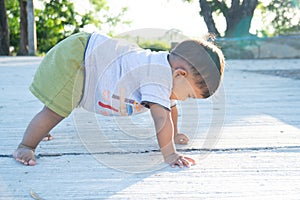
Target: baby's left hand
{"points": [[181, 138]]}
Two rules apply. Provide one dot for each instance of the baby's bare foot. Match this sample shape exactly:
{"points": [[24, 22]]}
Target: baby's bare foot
{"points": [[181, 138], [24, 155], [48, 137]]}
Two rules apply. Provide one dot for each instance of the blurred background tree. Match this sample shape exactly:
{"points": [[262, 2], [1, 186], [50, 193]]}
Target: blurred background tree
{"points": [[23, 44], [155, 45], [278, 16], [13, 17], [4, 35], [281, 17], [56, 20], [238, 16]]}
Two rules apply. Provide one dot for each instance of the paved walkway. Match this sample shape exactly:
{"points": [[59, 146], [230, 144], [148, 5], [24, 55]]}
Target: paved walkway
{"points": [[246, 141]]}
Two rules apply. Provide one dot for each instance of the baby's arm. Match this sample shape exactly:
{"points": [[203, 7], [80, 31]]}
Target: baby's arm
{"points": [[179, 138], [164, 130]]}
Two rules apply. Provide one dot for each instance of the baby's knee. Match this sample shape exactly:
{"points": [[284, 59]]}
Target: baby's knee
{"points": [[47, 111]]}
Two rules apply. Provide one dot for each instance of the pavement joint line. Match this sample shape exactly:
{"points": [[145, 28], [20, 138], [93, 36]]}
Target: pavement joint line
{"points": [[191, 150]]}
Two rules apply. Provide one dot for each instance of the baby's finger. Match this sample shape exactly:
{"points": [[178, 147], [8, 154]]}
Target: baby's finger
{"points": [[186, 163], [178, 163], [191, 160]]}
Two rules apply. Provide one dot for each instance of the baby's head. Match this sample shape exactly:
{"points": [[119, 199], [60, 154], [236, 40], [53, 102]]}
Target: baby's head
{"points": [[197, 68]]}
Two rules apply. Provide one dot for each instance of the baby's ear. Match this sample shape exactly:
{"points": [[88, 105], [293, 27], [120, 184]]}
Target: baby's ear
{"points": [[179, 72]]}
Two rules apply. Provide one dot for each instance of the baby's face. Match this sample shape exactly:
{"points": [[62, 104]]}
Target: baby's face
{"points": [[184, 85]]}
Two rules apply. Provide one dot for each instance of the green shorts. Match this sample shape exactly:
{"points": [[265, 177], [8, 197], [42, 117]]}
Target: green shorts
{"points": [[59, 79]]}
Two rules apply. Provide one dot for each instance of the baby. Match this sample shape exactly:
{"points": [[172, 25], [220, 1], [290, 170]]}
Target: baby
{"points": [[113, 77]]}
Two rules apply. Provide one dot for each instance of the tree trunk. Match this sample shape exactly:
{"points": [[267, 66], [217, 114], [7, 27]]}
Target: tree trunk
{"points": [[207, 15], [4, 33], [31, 28], [23, 49], [238, 18]]}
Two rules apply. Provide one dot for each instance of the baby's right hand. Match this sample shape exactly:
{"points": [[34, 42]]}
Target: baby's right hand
{"points": [[181, 161], [24, 155]]}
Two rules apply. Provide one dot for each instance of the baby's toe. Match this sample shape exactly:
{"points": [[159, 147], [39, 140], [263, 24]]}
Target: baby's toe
{"points": [[21, 161], [31, 162]]}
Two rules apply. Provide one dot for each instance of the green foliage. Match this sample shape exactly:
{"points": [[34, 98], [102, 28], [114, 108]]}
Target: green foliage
{"points": [[155, 45], [113, 21], [58, 19], [55, 22], [99, 5], [100, 11], [286, 17]]}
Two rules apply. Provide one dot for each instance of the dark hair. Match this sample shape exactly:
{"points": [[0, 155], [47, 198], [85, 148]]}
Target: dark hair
{"points": [[207, 62]]}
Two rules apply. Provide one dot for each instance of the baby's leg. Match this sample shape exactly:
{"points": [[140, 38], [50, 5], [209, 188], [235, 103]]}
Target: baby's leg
{"points": [[37, 129]]}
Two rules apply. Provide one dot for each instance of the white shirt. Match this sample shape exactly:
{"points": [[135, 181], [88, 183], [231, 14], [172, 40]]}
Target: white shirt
{"points": [[121, 78]]}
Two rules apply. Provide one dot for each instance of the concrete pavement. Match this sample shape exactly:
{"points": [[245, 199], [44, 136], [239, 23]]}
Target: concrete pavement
{"points": [[246, 141]]}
